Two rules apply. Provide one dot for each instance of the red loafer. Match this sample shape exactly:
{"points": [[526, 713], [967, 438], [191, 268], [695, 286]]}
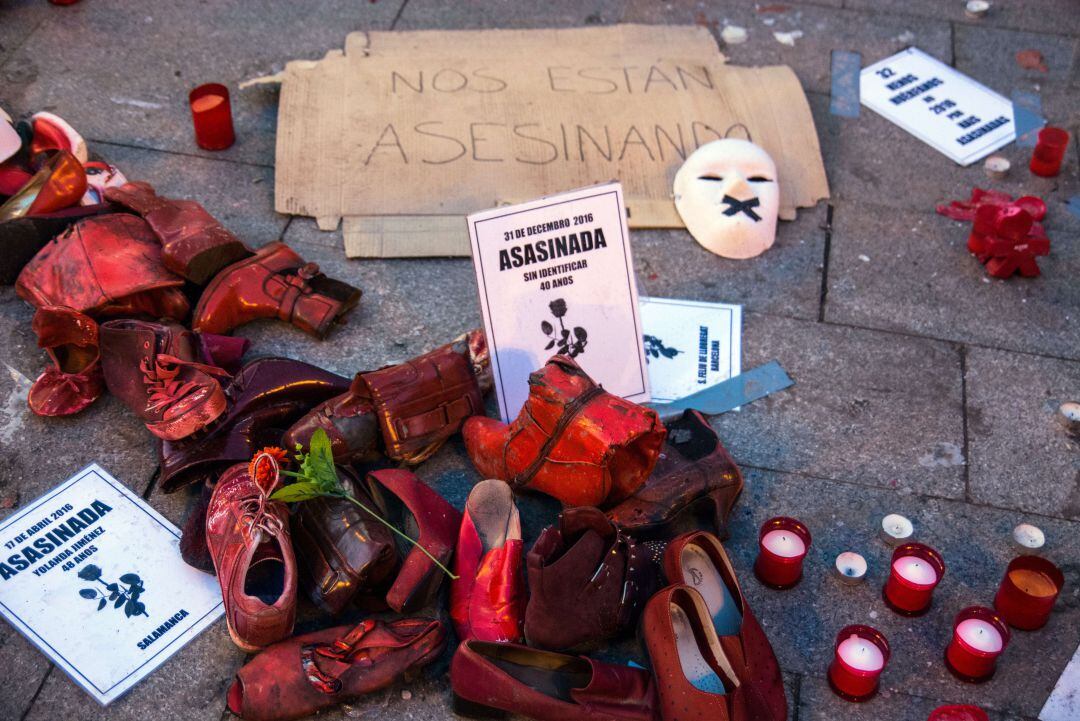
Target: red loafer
{"points": [[487, 600]]}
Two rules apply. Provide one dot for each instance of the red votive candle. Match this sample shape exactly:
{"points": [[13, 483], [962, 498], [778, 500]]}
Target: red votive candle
{"points": [[1049, 151], [979, 637], [958, 713], [913, 574], [212, 115], [860, 656], [782, 546], [1028, 591]]}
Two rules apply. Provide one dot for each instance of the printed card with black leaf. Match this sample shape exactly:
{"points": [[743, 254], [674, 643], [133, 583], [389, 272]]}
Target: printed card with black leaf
{"points": [[93, 577], [556, 276], [690, 345]]}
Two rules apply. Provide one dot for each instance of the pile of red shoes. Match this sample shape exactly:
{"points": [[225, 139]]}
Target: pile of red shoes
{"points": [[1006, 235], [84, 246]]}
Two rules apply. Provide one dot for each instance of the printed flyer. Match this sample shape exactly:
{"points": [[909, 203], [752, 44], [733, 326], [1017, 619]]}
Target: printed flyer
{"points": [[556, 277], [690, 345], [92, 576]]}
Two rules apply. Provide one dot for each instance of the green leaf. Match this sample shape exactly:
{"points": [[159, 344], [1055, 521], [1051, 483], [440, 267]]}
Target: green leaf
{"points": [[302, 491]]}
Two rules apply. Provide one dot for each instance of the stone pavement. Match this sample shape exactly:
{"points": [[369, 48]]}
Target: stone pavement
{"points": [[921, 388]]}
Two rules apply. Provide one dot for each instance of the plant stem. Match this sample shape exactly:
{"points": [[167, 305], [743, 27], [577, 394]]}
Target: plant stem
{"points": [[389, 525]]}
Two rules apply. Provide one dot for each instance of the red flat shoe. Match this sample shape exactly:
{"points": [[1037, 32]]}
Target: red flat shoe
{"points": [[74, 380], [305, 674], [487, 600]]}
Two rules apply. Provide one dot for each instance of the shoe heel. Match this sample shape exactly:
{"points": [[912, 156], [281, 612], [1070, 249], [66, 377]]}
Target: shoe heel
{"points": [[471, 709]]}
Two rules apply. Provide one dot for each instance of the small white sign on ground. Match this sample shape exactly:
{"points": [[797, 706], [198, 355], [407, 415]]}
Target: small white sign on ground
{"points": [[690, 345], [93, 577], [944, 108], [556, 277]]}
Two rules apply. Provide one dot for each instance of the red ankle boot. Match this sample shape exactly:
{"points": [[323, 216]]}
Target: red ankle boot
{"points": [[274, 283]]}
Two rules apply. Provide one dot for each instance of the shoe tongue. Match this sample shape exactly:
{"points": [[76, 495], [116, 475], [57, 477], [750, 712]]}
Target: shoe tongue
{"points": [[574, 522]]}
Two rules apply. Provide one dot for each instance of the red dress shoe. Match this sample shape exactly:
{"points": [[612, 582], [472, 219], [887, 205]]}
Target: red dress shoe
{"points": [[431, 521], [695, 679], [74, 380], [152, 368], [248, 538], [572, 440], [297, 677], [698, 560], [491, 680], [273, 283], [487, 600]]}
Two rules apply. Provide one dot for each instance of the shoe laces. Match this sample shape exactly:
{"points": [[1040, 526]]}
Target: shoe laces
{"points": [[254, 510], [163, 387]]}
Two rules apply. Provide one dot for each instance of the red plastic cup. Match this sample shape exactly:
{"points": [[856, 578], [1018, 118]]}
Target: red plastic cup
{"points": [[914, 573], [860, 655], [1049, 151], [782, 546], [958, 713], [1028, 591], [979, 637], [212, 116]]}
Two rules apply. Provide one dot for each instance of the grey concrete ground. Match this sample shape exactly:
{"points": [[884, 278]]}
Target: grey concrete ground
{"points": [[921, 388]]}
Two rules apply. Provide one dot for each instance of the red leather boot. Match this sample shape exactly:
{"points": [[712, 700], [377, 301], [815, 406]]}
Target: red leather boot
{"points": [[152, 368], [105, 265], [194, 244], [74, 380], [572, 440], [274, 283]]}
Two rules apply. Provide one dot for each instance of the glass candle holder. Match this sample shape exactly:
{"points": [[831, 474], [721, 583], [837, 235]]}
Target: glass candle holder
{"points": [[979, 637], [211, 113], [914, 573], [961, 712], [782, 546], [861, 653], [1049, 151], [1028, 591]]}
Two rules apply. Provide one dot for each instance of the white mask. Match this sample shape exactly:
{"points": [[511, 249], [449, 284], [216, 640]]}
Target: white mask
{"points": [[727, 194]]}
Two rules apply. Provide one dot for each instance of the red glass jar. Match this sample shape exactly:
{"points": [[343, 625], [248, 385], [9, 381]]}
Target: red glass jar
{"points": [[1028, 591], [782, 546], [211, 113], [958, 713], [1049, 151], [914, 573], [979, 637], [860, 655]]}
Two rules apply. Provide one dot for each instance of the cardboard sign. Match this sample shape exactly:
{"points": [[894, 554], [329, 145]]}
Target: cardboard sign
{"points": [[421, 128], [689, 345], [92, 576], [556, 276], [939, 105]]}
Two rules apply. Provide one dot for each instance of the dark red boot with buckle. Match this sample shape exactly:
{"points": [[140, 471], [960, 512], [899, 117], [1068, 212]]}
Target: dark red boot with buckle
{"points": [[152, 368], [74, 379], [274, 283], [194, 244]]}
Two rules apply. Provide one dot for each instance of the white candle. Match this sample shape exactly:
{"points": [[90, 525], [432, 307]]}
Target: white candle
{"points": [[1028, 537], [785, 544], [976, 8], [860, 654], [915, 570], [895, 529], [851, 567], [980, 635]]}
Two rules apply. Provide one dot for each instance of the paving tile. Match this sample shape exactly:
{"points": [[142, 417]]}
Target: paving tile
{"points": [[975, 542], [1021, 457], [18, 692], [870, 160], [875, 36], [819, 703], [785, 280], [1049, 16], [107, 96], [989, 56], [20, 20], [432, 14], [911, 271], [867, 407], [239, 195]]}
